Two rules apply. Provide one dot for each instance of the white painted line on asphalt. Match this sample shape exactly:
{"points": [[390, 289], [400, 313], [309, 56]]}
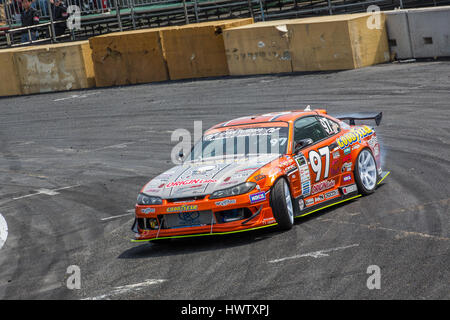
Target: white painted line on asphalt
{"points": [[114, 146], [47, 192], [128, 288], [3, 231], [119, 216], [315, 254], [75, 96]]}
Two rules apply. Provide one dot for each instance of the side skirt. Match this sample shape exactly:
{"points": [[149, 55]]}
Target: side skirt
{"points": [[334, 201], [327, 204]]}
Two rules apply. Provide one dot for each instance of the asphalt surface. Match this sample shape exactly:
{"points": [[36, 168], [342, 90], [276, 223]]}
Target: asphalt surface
{"points": [[72, 163]]}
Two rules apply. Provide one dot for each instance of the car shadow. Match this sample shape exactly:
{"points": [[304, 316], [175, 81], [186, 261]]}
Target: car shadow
{"points": [[171, 247]]}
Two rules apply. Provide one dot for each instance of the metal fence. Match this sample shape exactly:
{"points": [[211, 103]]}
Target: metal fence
{"points": [[104, 16], [12, 8]]}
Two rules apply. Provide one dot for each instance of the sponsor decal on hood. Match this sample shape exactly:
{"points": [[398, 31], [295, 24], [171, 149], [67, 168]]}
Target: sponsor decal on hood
{"points": [[200, 178]]}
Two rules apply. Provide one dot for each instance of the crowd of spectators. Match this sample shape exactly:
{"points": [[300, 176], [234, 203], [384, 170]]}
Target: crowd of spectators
{"points": [[14, 8], [30, 12]]}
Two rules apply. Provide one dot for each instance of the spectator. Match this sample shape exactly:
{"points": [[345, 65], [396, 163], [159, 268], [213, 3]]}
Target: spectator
{"points": [[59, 12], [15, 8], [29, 17], [2, 13], [42, 4], [88, 6]]}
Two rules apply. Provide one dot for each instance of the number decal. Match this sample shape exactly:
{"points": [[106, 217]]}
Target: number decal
{"points": [[325, 152], [315, 158], [316, 163], [326, 125]]}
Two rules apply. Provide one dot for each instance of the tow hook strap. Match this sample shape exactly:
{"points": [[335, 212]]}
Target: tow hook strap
{"points": [[253, 216]]}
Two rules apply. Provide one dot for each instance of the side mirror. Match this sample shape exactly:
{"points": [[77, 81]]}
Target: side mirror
{"points": [[302, 143]]}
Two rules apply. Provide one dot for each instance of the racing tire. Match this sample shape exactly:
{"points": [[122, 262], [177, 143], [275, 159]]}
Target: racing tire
{"points": [[366, 174], [282, 206]]}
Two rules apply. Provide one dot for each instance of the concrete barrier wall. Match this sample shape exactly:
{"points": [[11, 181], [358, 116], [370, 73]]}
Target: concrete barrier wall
{"points": [[419, 33], [128, 58], [338, 42], [321, 44], [311, 44], [9, 84], [220, 48], [55, 67], [197, 50], [430, 32], [46, 68], [369, 45], [258, 48], [398, 34]]}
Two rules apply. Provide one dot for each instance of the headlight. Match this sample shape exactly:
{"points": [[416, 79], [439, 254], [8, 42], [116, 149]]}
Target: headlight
{"points": [[144, 199], [233, 191]]}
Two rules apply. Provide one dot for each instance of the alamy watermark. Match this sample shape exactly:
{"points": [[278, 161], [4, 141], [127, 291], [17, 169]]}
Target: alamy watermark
{"points": [[374, 280], [74, 19], [74, 280], [374, 21]]}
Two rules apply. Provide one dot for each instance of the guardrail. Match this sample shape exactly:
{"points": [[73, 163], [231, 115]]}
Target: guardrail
{"points": [[31, 31]]}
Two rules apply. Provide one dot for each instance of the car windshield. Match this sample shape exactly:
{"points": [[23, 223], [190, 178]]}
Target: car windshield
{"points": [[241, 141]]}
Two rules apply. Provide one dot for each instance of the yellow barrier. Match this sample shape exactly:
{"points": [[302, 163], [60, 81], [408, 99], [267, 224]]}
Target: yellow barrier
{"points": [[197, 50], [338, 42], [311, 44], [9, 84], [217, 48], [128, 58], [46, 68], [258, 48]]}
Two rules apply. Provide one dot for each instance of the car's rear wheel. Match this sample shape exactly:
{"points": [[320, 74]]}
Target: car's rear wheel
{"points": [[366, 175], [282, 206]]}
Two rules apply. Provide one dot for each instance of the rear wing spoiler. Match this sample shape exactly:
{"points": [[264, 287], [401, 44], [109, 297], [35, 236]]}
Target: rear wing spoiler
{"points": [[362, 116]]}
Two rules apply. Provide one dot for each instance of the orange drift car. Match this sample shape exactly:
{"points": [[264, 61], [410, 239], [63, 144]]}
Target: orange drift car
{"points": [[261, 171]]}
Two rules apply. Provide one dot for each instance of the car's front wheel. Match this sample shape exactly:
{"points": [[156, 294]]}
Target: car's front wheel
{"points": [[281, 203]]}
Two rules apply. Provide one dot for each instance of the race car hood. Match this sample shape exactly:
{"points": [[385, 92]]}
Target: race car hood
{"points": [[200, 178]]}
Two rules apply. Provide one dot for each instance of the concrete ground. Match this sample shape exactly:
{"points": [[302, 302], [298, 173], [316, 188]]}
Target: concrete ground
{"points": [[72, 164]]}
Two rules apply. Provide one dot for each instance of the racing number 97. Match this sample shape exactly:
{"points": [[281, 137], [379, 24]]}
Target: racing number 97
{"points": [[315, 158]]}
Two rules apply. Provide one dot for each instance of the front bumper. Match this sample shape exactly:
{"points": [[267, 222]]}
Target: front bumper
{"points": [[257, 215]]}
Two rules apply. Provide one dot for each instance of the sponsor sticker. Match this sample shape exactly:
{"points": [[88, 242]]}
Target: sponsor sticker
{"points": [[203, 170], [306, 188], [301, 204], [225, 202], [347, 150], [148, 210], [183, 208], [331, 194], [354, 136], [235, 133], [322, 186], [347, 167], [347, 178], [257, 197], [349, 189], [319, 198], [190, 182], [309, 202], [259, 177], [301, 160]]}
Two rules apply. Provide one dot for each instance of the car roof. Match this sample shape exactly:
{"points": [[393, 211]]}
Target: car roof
{"points": [[283, 116]]}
